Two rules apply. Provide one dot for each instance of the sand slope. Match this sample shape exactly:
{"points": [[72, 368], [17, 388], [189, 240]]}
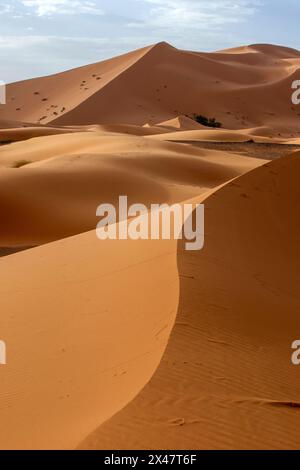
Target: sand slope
{"points": [[84, 332], [226, 379], [140, 344], [43, 99], [65, 177], [160, 82], [181, 123], [207, 135]]}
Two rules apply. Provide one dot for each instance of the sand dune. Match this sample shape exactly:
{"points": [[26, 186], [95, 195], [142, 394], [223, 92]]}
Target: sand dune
{"points": [[63, 179], [226, 380], [205, 135], [141, 344], [236, 87], [74, 360], [17, 134], [7, 124], [10, 133], [182, 123], [43, 99], [233, 373]]}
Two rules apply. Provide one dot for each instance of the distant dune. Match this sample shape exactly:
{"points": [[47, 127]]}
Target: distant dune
{"points": [[140, 344], [242, 88]]}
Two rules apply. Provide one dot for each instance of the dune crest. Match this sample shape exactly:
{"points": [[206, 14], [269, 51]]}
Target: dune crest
{"points": [[227, 359], [236, 87], [63, 178], [140, 344]]}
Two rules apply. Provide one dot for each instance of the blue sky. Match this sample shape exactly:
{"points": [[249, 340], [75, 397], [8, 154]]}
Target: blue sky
{"points": [[39, 37]]}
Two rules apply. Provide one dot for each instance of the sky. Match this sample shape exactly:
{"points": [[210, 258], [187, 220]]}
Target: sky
{"points": [[40, 37]]}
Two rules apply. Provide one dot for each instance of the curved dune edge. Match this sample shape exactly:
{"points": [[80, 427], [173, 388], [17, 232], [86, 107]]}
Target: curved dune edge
{"points": [[56, 193], [88, 324], [175, 130], [16, 133], [209, 136], [84, 333], [226, 379], [71, 309], [159, 132]]}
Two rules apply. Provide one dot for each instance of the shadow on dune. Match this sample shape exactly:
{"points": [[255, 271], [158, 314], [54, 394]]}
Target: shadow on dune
{"points": [[10, 251], [229, 354]]}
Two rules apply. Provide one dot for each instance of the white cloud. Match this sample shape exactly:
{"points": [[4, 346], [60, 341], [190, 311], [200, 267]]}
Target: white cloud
{"points": [[197, 14], [5, 8], [64, 7]]}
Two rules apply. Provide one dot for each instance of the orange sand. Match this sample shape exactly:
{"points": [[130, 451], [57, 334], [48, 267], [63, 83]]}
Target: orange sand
{"points": [[141, 344]]}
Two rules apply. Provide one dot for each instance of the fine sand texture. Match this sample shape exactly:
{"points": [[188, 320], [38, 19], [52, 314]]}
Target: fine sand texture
{"points": [[140, 344], [226, 380]]}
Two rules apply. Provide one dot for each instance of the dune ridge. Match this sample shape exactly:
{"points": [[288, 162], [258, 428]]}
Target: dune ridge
{"points": [[65, 177], [226, 367], [145, 87], [123, 344]]}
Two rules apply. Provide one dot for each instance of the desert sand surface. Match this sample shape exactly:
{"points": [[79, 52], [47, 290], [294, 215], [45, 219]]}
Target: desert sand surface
{"points": [[237, 89], [140, 344], [225, 380], [65, 177]]}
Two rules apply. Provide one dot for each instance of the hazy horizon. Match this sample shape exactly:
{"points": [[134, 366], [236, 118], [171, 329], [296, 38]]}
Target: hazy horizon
{"points": [[41, 37]]}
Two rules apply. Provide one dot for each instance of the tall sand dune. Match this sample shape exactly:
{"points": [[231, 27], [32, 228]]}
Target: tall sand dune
{"points": [[160, 83], [226, 378], [140, 344]]}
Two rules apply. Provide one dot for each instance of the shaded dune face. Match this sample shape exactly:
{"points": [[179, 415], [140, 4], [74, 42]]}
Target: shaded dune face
{"points": [[227, 367], [40, 205]]}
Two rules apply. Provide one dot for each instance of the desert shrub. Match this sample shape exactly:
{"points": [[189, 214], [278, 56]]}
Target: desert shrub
{"points": [[208, 122]]}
